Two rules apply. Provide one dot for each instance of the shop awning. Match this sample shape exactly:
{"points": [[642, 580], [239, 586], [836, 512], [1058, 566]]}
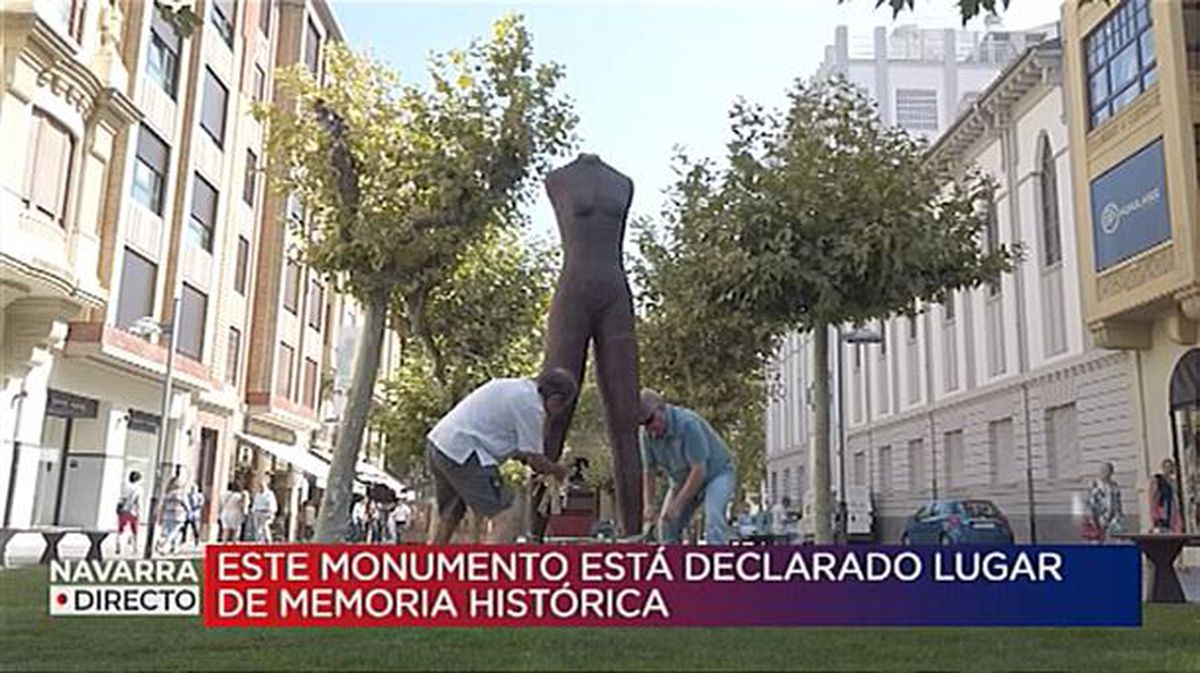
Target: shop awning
{"points": [[300, 458], [365, 472]]}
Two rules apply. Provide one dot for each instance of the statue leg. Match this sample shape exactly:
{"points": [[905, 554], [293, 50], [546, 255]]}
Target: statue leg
{"points": [[617, 376], [568, 331]]}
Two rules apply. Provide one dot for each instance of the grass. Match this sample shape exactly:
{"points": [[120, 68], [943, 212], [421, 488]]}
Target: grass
{"points": [[31, 640]]}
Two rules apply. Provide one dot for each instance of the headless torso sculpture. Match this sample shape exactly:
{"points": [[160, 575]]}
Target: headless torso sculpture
{"points": [[593, 304]]}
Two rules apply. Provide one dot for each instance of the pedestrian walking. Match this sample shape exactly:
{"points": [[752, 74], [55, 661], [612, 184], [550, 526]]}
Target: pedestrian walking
{"points": [[263, 508], [233, 512], [1104, 507], [172, 516], [195, 512], [129, 512]]}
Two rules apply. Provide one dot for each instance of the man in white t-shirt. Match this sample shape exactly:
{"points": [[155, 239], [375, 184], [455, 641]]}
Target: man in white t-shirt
{"points": [[499, 421], [263, 508], [401, 515]]}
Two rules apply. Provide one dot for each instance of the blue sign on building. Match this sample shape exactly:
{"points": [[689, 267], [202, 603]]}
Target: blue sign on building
{"points": [[1129, 207]]}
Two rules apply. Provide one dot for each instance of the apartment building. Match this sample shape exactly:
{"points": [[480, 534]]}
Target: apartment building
{"points": [[140, 193], [1133, 83], [999, 393]]}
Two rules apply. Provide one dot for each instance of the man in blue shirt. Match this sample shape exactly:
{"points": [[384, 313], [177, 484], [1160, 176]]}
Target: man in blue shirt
{"points": [[684, 446]]}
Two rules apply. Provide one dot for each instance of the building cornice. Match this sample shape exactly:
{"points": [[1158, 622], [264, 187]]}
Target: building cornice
{"points": [[1039, 65], [55, 58]]}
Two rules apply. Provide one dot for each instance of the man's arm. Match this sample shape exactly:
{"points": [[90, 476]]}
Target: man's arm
{"points": [[687, 491], [541, 464], [695, 447]]}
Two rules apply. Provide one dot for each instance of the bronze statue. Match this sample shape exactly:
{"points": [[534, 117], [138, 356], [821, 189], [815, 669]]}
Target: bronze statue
{"points": [[593, 303]]}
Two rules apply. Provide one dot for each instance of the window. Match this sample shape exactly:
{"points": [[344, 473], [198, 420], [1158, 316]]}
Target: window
{"points": [[916, 109], [955, 460], [189, 327], [1062, 449], [917, 475], [264, 16], [150, 170], [1120, 59], [950, 343], [860, 468], [136, 299], [222, 17], [316, 303], [312, 49], [283, 378], [774, 487], [291, 286], [885, 469], [260, 84], [249, 178], [1002, 459], [242, 269], [233, 358], [310, 383], [162, 58], [1048, 186], [48, 167], [992, 244], [787, 483], [1191, 32], [204, 214], [212, 111]]}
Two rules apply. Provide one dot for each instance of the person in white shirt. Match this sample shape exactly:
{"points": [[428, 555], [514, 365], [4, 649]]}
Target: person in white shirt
{"points": [[400, 518], [263, 508], [499, 421]]}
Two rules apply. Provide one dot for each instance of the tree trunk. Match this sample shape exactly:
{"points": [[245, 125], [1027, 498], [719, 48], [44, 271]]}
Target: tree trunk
{"points": [[821, 478], [334, 516]]}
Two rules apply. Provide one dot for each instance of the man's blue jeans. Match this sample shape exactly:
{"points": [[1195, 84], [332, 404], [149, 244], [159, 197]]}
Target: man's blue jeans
{"points": [[715, 496]]}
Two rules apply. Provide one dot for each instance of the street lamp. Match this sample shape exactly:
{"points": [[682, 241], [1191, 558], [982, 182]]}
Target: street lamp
{"points": [[147, 326], [859, 335]]}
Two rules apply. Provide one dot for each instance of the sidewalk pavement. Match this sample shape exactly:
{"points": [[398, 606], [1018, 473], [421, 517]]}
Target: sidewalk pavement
{"points": [[26, 549]]}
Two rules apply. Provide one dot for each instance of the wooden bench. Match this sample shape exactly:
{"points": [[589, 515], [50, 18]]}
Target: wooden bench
{"points": [[53, 535], [1161, 549]]}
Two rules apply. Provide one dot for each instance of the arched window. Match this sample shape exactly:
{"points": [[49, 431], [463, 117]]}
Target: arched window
{"points": [[1048, 183]]}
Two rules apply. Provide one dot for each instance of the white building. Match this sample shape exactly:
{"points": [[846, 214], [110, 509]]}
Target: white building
{"points": [[999, 392], [923, 78]]}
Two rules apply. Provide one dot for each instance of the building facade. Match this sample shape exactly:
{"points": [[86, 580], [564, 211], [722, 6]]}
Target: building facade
{"points": [[1133, 82], [923, 78], [140, 194], [1000, 393]]}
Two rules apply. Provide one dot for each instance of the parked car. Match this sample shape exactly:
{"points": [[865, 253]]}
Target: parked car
{"points": [[958, 522]]}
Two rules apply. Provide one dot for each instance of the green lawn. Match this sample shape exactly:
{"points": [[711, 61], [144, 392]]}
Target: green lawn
{"points": [[30, 639]]}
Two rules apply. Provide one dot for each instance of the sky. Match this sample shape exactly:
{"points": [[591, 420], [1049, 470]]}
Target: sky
{"points": [[647, 78]]}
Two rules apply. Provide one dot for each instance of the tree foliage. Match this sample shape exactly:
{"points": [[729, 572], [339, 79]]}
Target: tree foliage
{"points": [[397, 179], [968, 9], [826, 216], [692, 350], [485, 320]]}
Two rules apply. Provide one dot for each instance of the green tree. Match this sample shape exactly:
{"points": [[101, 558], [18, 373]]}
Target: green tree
{"points": [[827, 216], [484, 320], [693, 350], [398, 179]]}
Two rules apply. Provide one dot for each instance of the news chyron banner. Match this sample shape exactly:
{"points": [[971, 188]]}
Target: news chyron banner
{"points": [[636, 586]]}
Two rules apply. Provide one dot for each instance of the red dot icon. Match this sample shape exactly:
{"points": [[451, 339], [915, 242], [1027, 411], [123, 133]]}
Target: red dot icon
{"points": [[62, 599]]}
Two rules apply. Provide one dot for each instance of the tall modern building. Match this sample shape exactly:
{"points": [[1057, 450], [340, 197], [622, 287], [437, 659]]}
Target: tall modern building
{"points": [[1133, 85], [923, 78], [1000, 392], [135, 189]]}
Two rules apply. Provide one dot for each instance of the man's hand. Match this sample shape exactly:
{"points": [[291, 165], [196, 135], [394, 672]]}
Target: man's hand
{"points": [[543, 465]]}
